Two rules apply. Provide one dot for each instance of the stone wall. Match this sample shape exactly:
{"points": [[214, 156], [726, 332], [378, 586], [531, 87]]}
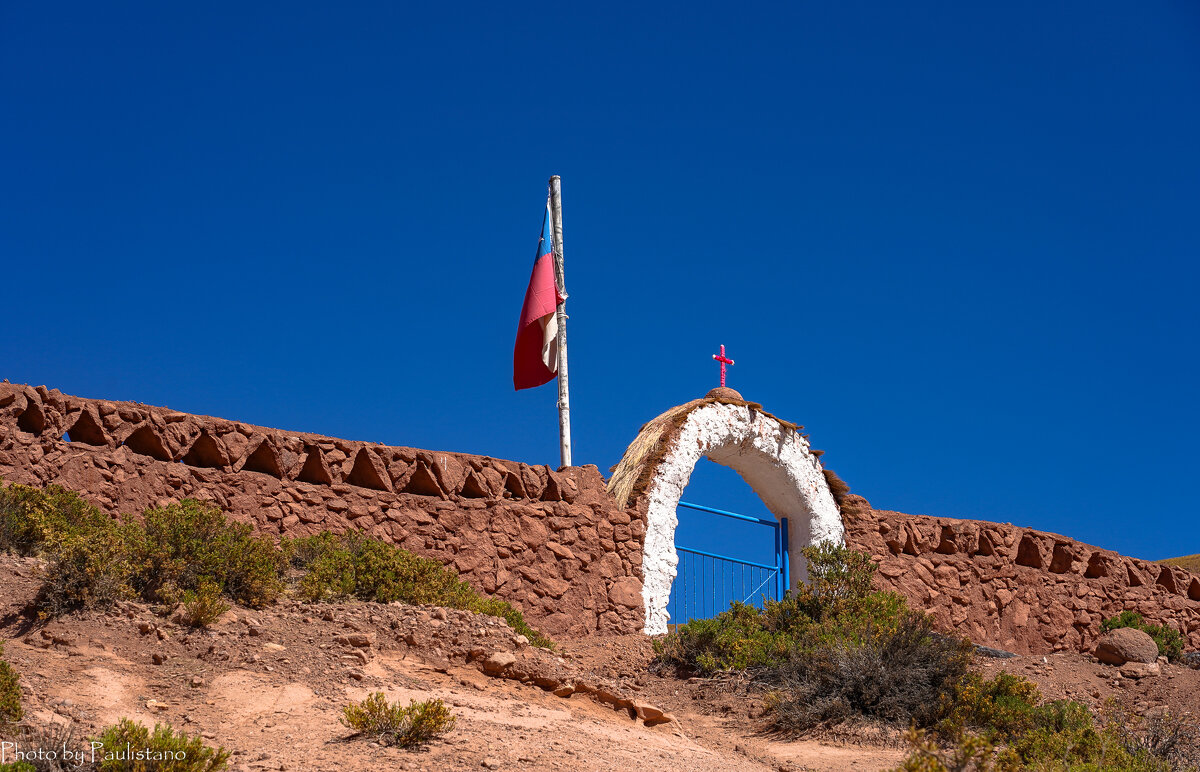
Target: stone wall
{"points": [[551, 542], [1014, 588], [554, 543]]}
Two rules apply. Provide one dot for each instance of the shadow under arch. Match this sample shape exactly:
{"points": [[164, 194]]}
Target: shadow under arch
{"points": [[771, 455]]}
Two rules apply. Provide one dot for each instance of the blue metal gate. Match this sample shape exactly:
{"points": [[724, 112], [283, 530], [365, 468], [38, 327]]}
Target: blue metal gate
{"points": [[706, 584]]}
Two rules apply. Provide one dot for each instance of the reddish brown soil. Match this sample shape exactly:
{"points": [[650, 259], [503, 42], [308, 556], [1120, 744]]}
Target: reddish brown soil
{"points": [[270, 686], [1081, 677]]}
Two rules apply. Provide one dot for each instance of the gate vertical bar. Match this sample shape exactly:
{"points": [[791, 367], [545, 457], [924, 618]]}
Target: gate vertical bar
{"points": [[787, 569], [779, 562]]}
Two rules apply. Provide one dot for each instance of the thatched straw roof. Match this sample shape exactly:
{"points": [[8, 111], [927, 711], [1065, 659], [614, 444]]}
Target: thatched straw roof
{"points": [[632, 475]]}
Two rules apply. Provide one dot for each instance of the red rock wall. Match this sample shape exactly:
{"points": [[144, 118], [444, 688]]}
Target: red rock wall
{"points": [[1014, 588], [552, 543]]}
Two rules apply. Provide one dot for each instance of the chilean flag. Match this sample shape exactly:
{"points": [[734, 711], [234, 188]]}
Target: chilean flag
{"points": [[535, 355]]}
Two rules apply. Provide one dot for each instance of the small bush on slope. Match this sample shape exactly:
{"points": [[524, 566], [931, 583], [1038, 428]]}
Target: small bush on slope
{"points": [[181, 547], [1170, 642], [202, 607], [354, 565], [393, 724], [32, 518], [191, 553], [173, 550], [1003, 724], [52, 746], [898, 676], [162, 750], [10, 692], [85, 570], [832, 650]]}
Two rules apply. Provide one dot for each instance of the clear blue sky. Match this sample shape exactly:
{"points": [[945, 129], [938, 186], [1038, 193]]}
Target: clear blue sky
{"points": [[957, 241]]}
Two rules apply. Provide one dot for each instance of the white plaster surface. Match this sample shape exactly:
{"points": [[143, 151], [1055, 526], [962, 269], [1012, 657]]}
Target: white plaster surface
{"points": [[774, 460]]}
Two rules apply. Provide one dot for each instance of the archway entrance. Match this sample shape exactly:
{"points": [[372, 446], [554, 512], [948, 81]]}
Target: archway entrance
{"points": [[771, 455], [730, 548]]}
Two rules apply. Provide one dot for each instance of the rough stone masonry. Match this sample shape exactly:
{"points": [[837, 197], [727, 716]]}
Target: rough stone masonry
{"points": [[555, 543], [552, 543], [1015, 588]]}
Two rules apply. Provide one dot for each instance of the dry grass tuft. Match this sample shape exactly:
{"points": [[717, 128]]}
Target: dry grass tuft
{"points": [[394, 724], [837, 486]]}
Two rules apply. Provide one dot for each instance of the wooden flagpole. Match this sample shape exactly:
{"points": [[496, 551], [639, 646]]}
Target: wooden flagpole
{"points": [[564, 400]]}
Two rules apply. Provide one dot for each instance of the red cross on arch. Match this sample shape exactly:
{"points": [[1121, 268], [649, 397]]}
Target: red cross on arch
{"points": [[724, 360]]}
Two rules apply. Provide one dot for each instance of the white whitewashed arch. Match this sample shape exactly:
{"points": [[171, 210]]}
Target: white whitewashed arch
{"points": [[772, 457]]}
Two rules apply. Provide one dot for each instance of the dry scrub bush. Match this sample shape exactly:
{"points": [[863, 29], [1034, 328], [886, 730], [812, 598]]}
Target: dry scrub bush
{"points": [[179, 548], [897, 677], [191, 553], [393, 724], [830, 651], [163, 750], [354, 565], [1171, 739], [85, 570], [170, 552], [202, 607], [32, 518], [10, 692], [84, 547], [1003, 724], [46, 747]]}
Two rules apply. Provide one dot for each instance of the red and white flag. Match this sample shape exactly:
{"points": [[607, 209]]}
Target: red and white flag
{"points": [[535, 355]]}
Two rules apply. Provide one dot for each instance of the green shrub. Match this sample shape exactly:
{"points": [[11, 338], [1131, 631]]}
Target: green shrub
{"points": [[895, 676], [359, 566], [836, 607], [191, 553], [10, 692], [1109, 750], [739, 638], [1170, 641], [969, 752], [173, 551], [203, 606], [837, 574], [354, 565], [831, 650], [393, 724], [1008, 712], [1003, 705], [494, 607], [180, 547], [85, 570], [162, 750], [31, 518]]}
